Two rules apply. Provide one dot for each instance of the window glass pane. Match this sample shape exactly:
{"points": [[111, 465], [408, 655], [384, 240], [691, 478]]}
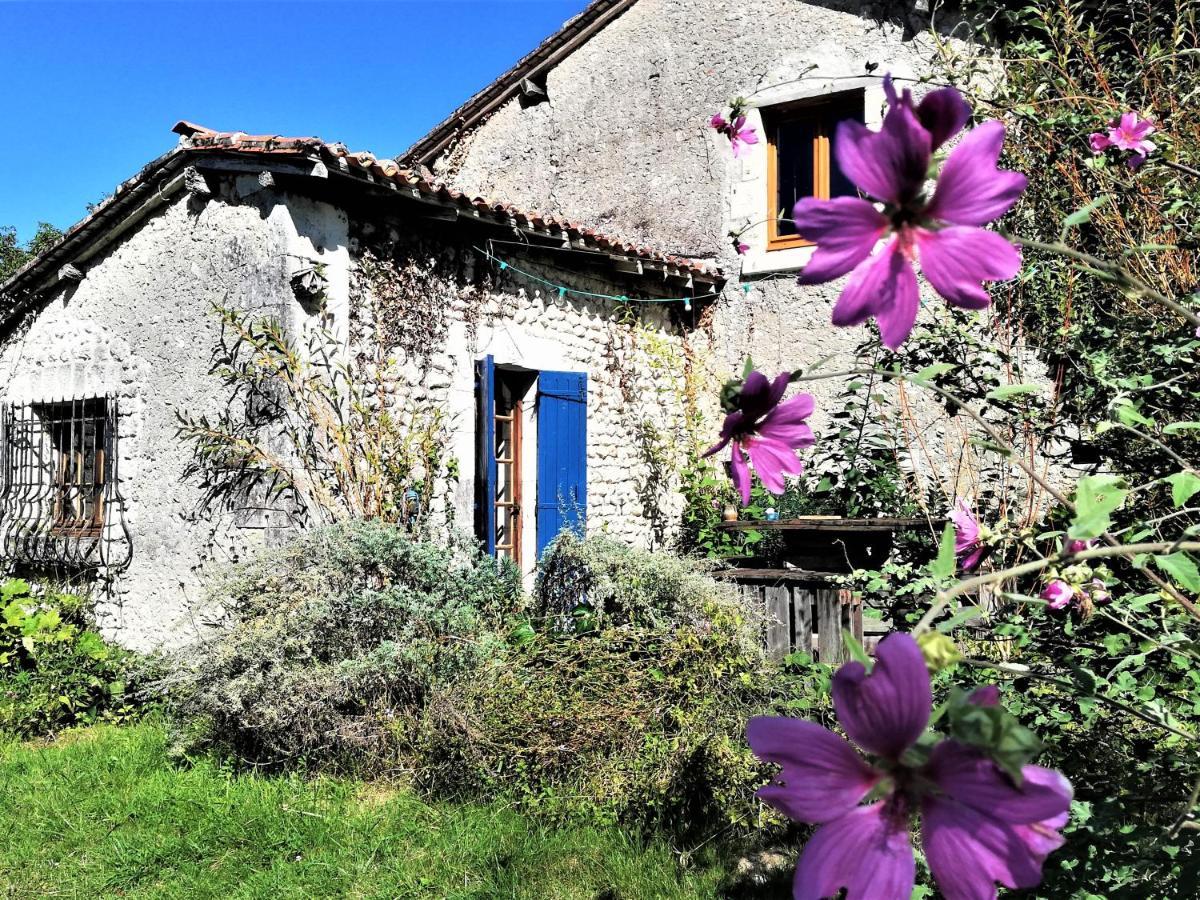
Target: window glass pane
{"points": [[793, 168], [839, 184]]}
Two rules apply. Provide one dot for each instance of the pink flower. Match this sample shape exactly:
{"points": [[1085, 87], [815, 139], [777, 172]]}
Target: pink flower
{"points": [[891, 165], [1099, 141], [1058, 595], [768, 431], [977, 826], [1078, 546], [1128, 133], [742, 249], [969, 545], [740, 136]]}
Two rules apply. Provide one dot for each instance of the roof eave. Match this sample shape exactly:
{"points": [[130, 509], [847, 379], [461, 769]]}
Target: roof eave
{"points": [[544, 57], [109, 217]]}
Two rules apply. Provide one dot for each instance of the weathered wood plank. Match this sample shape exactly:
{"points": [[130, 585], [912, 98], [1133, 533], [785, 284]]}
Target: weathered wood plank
{"points": [[852, 611], [802, 619], [829, 626], [779, 626], [776, 574]]}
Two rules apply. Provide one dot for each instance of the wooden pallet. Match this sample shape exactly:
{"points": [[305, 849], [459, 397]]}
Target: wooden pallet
{"points": [[806, 611]]}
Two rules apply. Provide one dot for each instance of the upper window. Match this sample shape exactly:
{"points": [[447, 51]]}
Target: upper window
{"points": [[801, 159]]}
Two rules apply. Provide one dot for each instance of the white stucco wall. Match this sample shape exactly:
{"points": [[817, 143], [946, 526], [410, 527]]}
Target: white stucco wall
{"points": [[140, 327], [623, 143]]}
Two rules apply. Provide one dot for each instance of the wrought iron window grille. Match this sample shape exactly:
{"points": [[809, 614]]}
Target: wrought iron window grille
{"points": [[60, 500]]}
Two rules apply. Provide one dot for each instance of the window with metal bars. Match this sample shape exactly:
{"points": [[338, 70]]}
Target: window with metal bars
{"points": [[58, 470]]}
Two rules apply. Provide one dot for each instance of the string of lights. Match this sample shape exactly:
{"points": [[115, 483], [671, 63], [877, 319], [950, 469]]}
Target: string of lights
{"points": [[562, 290]]}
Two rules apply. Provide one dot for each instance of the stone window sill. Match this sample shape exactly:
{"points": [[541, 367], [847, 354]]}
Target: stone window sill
{"points": [[763, 262]]}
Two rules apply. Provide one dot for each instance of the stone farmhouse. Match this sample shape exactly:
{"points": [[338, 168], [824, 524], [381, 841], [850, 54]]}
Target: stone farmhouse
{"points": [[543, 318]]}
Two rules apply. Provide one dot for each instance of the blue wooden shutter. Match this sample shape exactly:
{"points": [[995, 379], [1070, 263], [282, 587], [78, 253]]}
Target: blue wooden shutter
{"points": [[485, 453], [562, 454]]}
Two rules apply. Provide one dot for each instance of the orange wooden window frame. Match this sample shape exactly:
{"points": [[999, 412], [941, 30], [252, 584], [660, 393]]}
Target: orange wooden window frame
{"points": [[509, 511], [824, 114]]}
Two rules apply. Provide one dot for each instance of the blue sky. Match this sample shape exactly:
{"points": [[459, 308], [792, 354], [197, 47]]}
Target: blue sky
{"points": [[91, 89]]}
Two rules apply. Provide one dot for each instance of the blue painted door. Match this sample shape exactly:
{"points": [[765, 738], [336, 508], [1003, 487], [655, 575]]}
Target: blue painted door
{"points": [[485, 453], [562, 454]]}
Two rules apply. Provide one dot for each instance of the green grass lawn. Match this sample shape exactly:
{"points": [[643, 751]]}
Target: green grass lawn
{"points": [[103, 812]]}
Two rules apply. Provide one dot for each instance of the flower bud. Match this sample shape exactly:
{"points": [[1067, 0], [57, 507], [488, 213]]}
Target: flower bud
{"points": [[1058, 595], [939, 650], [1098, 592]]}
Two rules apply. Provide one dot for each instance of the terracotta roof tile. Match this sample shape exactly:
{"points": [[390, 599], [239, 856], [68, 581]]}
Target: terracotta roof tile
{"points": [[198, 138]]}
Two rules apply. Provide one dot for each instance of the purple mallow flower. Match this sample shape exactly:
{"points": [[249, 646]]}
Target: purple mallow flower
{"points": [[1128, 133], [1077, 546], [1058, 595], [987, 695], [891, 166], [978, 827], [970, 545], [740, 136], [767, 430]]}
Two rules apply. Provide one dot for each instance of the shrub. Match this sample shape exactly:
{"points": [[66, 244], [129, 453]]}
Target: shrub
{"points": [[55, 670], [356, 647], [638, 718], [600, 582], [332, 635]]}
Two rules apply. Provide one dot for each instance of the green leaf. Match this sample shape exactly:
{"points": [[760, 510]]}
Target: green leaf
{"points": [[1011, 390], [1176, 427], [1096, 498], [1182, 568], [1129, 414], [943, 567], [1083, 215], [1183, 486], [984, 444], [963, 615], [931, 372], [855, 649]]}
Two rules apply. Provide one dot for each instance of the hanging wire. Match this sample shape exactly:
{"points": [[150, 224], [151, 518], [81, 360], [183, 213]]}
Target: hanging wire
{"points": [[563, 290]]}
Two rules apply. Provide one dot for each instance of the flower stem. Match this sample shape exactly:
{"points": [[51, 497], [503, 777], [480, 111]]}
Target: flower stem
{"points": [[1187, 170], [1122, 275], [1013, 671]]}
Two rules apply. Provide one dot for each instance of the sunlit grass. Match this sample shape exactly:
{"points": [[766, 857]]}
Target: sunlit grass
{"points": [[103, 812]]}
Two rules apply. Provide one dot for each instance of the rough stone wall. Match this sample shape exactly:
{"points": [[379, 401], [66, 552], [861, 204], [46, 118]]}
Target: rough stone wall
{"points": [[623, 143], [627, 350], [140, 326]]}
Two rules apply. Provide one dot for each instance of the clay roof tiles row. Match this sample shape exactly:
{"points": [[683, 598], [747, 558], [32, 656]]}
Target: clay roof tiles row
{"points": [[199, 138]]}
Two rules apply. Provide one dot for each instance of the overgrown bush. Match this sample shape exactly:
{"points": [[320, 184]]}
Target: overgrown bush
{"points": [[601, 582], [331, 636], [55, 670], [636, 726], [355, 647], [637, 715]]}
